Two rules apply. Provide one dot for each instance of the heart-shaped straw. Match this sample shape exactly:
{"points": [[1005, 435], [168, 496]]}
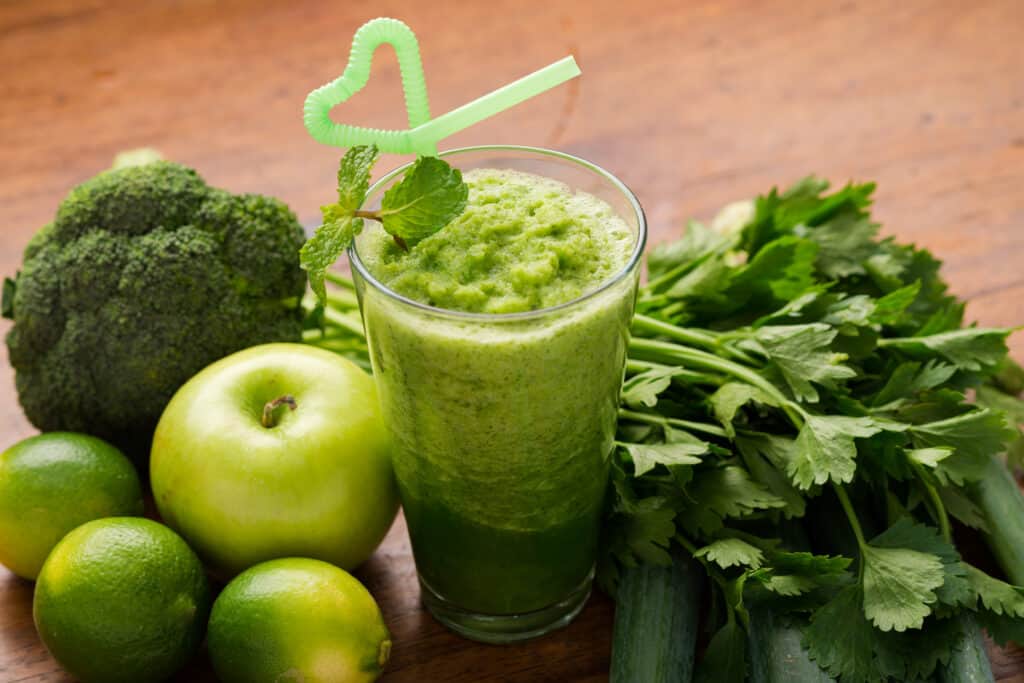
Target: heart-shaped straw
{"points": [[424, 133]]}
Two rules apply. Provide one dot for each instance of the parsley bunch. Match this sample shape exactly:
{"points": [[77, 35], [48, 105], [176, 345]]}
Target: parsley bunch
{"points": [[787, 362]]}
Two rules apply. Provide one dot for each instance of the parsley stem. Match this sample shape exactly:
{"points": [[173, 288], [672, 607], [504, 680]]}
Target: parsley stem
{"points": [[671, 275], [659, 351], [702, 338], [851, 516], [637, 366], [938, 508], [658, 420], [345, 321]]}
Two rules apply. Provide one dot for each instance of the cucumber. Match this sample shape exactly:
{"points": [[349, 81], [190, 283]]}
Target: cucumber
{"points": [[775, 641], [1001, 501], [656, 623], [776, 652], [969, 661]]}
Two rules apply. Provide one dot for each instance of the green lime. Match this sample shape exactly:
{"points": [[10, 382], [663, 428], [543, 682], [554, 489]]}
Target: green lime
{"points": [[121, 600], [297, 620], [51, 483]]}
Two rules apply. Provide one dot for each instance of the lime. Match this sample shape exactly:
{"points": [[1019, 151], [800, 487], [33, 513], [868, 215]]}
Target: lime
{"points": [[297, 620], [122, 599], [51, 483]]}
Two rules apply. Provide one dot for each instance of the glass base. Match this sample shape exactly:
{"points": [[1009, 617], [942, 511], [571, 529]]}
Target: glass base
{"points": [[506, 628]]}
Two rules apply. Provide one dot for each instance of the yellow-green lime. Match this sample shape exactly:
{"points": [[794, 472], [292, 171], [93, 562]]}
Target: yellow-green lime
{"points": [[297, 620], [51, 483], [121, 600]]}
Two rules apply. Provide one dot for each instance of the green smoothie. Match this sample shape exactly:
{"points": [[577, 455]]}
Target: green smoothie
{"points": [[503, 425]]}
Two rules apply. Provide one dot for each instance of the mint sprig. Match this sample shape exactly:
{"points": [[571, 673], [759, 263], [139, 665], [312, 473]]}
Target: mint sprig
{"points": [[430, 195]]}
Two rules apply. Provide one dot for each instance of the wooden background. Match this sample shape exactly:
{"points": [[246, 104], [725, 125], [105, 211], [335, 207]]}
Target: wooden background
{"points": [[692, 104]]}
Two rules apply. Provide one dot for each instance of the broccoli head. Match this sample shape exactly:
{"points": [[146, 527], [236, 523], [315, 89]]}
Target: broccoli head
{"points": [[145, 276]]}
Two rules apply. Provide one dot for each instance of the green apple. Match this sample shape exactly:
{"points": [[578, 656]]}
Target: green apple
{"points": [[275, 451]]}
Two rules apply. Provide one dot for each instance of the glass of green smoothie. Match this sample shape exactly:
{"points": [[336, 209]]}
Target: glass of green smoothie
{"points": [[498, 347]]}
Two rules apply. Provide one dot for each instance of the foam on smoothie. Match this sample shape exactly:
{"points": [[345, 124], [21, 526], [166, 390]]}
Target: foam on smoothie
{"points": [[524, 242]]}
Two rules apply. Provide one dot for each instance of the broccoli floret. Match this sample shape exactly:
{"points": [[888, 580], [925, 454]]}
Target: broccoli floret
{"points": [[146, 276]]}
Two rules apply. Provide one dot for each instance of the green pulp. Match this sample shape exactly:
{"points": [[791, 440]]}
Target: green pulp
{"points": [[502, 427], [523, 243]]}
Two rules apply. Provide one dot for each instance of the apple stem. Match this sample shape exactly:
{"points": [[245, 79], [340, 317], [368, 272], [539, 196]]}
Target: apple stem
{"points": [[268, 420]]}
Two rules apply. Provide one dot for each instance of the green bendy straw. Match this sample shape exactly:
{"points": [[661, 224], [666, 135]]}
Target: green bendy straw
{"points": [[424, 133]]}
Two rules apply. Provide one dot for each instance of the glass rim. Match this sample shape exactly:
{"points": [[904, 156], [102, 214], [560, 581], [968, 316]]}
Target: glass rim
{"points": [[634, 257]]}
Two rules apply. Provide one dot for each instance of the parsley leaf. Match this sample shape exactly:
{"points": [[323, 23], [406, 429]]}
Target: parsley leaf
{"points": [[803, 355], [732, 552], [730, 397], [825, 449], [844, 244], [955, 589], [974, 436], [643, 388], [996, 596], [899, 586], [844, 643], [722, 492], [973, 349], [646, 456], [766, 457]]}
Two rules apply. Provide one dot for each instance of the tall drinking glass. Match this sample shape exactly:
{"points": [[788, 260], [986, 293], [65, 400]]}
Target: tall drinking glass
{"points": [[503, 425]]}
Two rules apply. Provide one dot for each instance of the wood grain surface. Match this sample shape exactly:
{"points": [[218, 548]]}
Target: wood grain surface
{"points": [[692, 104]]}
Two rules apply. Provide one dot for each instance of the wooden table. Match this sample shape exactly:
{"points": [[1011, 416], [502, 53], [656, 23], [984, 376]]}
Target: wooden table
{"points": [[693, 104]]}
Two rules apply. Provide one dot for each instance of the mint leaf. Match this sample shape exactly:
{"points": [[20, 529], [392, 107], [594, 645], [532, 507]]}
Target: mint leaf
{"points": [[803, 355], [354, 176], [732, 552], [646, 456], [825, 449], [730, 397], [430, 196], [339, 227], [322, 249]]}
